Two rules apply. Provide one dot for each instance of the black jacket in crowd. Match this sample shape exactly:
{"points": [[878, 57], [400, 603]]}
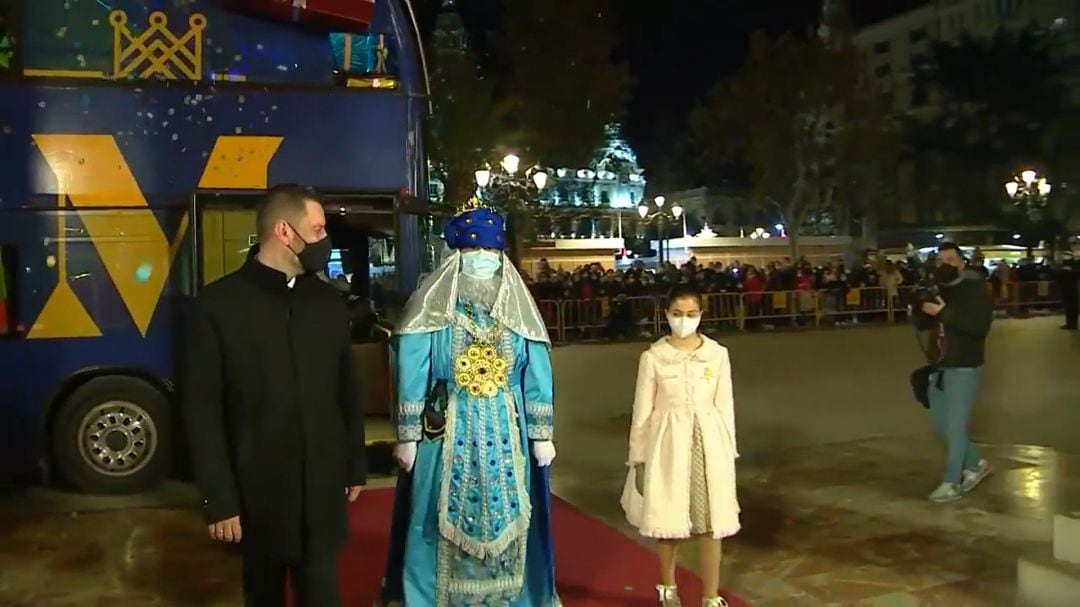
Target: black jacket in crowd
{"points": [[966, 317], [272, 409]]}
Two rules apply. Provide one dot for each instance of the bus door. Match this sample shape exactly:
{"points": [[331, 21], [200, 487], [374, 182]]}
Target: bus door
{"points": [[362, 268], [361, 230], [225, 233]]}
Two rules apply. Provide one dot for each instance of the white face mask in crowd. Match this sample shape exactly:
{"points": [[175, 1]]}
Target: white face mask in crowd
{"points": [[683, 326]]}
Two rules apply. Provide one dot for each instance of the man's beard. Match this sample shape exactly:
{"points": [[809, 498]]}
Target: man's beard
{"points": [[479, 292]]}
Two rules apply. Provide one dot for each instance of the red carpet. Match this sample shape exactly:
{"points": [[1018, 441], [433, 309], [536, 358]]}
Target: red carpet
{"points": [[595, 565]]}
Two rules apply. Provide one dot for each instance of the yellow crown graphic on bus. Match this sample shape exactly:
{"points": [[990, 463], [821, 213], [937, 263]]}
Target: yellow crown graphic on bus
{"points": [[157, 51]]}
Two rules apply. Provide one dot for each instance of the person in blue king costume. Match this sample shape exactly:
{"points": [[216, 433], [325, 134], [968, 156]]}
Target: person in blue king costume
{"points": [[472, 510]]}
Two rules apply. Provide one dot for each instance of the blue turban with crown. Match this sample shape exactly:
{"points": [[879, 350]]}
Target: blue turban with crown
{"points": [[474, 228]]}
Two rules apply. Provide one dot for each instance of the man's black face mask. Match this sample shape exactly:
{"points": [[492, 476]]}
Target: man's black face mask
{"points": [[315, 255], [945, 274]]}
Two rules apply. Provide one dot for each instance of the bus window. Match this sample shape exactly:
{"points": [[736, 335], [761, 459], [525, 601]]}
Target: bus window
{"points": [[8, 294]]}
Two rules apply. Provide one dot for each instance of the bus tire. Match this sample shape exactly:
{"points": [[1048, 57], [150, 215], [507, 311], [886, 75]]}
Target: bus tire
{"points": [[113, 435]]}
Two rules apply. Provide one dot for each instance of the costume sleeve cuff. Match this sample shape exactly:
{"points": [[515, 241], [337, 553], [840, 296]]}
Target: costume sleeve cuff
{"points": [[408, 421], [540, 421]]}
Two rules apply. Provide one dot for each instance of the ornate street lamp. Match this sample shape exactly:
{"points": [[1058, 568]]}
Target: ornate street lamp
{"points": [[1029, 192], [648, 216], [510, 191]]}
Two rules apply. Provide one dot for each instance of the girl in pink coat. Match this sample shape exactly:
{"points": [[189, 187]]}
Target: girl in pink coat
{"points": [[681, 482]]}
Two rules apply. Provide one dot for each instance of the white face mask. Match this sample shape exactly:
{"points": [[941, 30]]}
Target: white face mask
{"points": [[683, 326], [480, 264]]}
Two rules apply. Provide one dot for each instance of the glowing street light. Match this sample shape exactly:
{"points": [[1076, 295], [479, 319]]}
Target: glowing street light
{"points": [[509, 189], [648, 217], [1029, 191], [483, 177], [511, 163], [539, 177]]}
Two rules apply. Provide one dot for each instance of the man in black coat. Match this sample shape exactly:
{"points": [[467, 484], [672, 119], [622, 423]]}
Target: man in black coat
{"points": [[272, 408]]}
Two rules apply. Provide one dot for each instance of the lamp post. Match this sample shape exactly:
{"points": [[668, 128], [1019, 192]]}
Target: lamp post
{"points": [[510, 190], [648, 216], [1029, 192]]}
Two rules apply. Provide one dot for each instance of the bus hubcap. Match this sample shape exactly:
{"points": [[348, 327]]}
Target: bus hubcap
{"points": [[117, 438]]}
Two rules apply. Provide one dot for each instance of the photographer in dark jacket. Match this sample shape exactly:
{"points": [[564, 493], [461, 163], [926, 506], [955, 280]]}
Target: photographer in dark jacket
{"points": [[962, 316], [272, 408], [1069, 278]]}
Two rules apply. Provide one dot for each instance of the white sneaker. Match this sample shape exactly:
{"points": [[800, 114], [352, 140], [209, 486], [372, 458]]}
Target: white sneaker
{"points": [[714, 602], [946, 492], [972, 478]]}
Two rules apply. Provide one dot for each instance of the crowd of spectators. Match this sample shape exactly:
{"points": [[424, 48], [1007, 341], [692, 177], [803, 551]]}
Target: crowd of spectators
{"points": [[778, 293], [594, 281]]}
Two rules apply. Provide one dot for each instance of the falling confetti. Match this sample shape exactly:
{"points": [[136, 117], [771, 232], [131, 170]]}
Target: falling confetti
{"points": [[143, 273]]}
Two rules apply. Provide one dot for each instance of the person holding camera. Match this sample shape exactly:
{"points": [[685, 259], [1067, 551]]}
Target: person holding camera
{"points": [[959, 319]]}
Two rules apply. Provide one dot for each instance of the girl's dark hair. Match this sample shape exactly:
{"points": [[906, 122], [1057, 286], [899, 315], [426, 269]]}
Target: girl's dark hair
{"points": [[684, 291]]}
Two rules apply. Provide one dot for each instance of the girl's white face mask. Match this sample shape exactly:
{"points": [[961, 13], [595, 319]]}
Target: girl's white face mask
{"points": [[683, 326]]}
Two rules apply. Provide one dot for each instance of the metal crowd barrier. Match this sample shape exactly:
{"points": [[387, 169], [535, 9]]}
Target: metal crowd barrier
{"points": [[641, 316]]}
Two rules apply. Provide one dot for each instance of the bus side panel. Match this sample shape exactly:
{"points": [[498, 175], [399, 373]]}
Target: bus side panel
{"points": [[186, 136], [71, 319]]}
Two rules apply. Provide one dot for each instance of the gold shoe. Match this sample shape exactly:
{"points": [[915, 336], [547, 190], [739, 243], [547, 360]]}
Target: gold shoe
{"points": [[714, 602], [668, 596]]}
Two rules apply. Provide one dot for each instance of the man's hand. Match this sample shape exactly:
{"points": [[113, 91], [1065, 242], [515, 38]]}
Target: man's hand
{"points": [[933, 308], [405, 454], [227, 530], [353, 492]]}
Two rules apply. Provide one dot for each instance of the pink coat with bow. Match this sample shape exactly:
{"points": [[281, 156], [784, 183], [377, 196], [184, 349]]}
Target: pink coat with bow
{"points": [[674, 390]]}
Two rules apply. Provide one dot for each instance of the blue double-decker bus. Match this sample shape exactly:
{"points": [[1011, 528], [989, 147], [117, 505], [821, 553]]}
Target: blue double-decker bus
{"points": [[135, 139]]}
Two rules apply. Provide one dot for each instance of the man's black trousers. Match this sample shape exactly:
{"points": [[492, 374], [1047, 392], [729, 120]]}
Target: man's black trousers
{"points": [[314, 581]]}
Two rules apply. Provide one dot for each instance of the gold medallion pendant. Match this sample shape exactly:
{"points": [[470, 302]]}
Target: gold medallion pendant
{"points": [[480, 370]]}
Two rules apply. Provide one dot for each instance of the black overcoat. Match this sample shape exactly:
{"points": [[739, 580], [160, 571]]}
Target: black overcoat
{"points": [[272, 409]]}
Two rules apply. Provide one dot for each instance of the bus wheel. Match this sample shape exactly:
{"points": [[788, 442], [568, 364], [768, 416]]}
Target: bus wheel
{"points": [[113, 435]]}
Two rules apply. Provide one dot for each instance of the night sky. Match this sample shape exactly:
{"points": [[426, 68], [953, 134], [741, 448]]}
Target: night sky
{"points": [[677, 49]]}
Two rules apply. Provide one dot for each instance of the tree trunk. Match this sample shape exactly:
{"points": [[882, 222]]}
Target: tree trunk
{"points": [[843, 219], [515, 247], [870, 229], [459, 187], [793, 244]]}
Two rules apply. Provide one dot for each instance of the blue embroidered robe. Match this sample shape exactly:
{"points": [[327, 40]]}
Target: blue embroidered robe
{"points": [[472, 524]]}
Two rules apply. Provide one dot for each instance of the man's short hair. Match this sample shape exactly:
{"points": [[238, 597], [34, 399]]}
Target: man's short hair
{"points": [[952, 246], [282, 202]]}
